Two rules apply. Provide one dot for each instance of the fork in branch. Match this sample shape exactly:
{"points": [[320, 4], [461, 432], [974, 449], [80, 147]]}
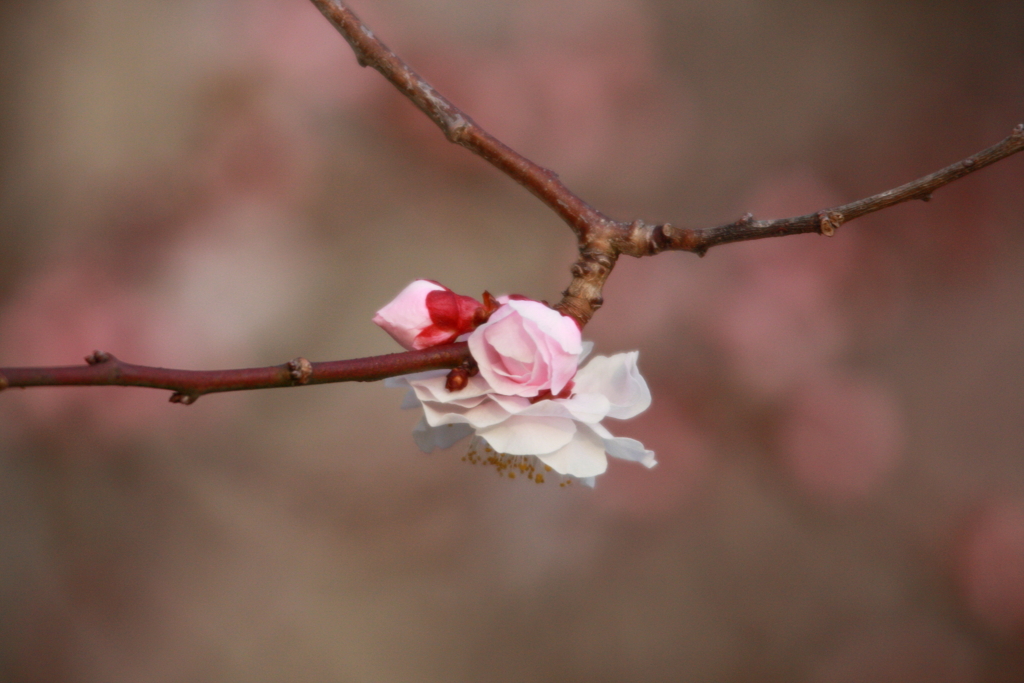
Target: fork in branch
{"points": [[601, 240]]}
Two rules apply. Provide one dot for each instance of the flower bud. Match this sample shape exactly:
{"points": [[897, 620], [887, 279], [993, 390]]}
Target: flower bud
{"points": [[426, 314]]}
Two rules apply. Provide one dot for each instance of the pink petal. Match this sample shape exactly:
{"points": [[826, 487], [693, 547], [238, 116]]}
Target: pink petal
{"points": [[406, 316]]}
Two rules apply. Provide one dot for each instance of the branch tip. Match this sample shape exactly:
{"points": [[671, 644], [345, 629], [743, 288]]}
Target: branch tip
{"points": [[300, 370]]}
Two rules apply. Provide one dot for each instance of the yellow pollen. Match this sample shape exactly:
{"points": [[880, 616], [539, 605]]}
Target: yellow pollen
{"points": [[512, 465]]}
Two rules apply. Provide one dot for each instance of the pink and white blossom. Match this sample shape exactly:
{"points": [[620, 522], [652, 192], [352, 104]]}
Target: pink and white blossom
{"points": [[564, 434], [526, 348], [426, 314]]}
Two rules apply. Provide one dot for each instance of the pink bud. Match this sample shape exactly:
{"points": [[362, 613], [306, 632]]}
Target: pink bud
{"points": [[426, 314]]}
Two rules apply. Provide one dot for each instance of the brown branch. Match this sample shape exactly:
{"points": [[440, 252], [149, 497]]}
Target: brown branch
{"points": [[606, 242], [456, 125], [646, 240], [601, 239], [103, 369]]}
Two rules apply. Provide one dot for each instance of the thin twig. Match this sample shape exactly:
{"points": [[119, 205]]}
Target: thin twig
{"points": [[103, 369], [654, 239], [456, 125], [601, 239]]}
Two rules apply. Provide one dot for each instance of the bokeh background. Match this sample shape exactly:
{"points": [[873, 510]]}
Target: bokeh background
{"points": [[839, 422]]}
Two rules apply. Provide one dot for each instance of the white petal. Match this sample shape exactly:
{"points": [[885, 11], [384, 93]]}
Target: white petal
{"points": [[580, 407], [513, 404], [619, 379], [582, 457], [624, 447], [428, 438], [629, 449], [585, 407], [529, 435], [588, 346], [432, 389], [410, 401], [487, 414]]}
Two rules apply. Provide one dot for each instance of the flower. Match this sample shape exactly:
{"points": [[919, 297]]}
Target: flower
{"points": [[564, 433], [529, 399], [526, 348], [426, 314]]}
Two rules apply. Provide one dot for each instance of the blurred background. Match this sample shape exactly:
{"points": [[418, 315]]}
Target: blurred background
{"points": [[839, 422]]}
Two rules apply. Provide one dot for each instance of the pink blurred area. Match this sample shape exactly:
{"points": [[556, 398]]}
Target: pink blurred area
{"points": [[838, 422]]}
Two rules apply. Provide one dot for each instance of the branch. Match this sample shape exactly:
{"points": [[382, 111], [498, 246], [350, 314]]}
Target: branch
{"points": [[601, 239], [456, 124], [103, 369], [648, 240]]}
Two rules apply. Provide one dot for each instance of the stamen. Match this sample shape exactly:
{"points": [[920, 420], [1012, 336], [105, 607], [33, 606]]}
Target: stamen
{"points": [[512, 465]]}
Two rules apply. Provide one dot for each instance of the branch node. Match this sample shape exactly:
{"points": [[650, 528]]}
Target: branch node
{"points": [[659, 238], [829, 221], [1018, 130], [968, 163], [592, 263], [456, 128], [926, 197], [97, 357], [745, 220], [3, 383], [184, 399], [597, 261], [300, 370]]}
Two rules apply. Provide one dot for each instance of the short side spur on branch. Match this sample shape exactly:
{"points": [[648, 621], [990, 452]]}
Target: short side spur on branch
{"points": [[601, 240]]}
